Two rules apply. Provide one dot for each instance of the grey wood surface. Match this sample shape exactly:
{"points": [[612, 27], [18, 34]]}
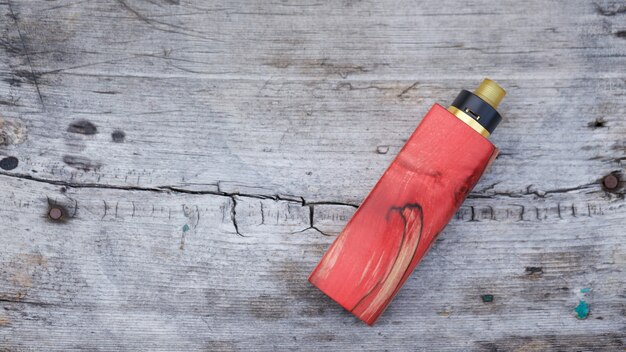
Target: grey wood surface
{"points": [[205, 154]]}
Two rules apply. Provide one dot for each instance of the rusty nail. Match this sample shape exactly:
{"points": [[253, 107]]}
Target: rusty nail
{"points": [[55, 213], [610, 182]]}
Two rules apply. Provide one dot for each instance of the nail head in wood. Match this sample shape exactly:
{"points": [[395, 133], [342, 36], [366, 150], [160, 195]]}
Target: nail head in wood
{"points": [[610, 182], [55, 213]]}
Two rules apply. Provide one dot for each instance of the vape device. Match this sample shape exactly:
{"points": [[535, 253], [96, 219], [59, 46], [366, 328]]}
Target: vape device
{"points": [[411, 204]]}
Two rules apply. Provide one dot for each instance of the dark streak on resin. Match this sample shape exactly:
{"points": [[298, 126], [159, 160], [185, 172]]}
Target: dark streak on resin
{"points": [[400, 210], [82, 127]]}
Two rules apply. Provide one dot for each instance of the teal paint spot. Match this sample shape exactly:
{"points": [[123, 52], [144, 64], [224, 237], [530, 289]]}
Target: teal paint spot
{"points": [[582, 310], [185, 228], [585, 290], [487, 298]]}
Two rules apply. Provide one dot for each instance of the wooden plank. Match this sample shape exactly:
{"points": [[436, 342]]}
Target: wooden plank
{"points": [[124, 271], [205, 155], [264, 123]]}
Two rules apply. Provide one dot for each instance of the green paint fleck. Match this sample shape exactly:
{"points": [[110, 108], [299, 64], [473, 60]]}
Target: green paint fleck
{"points": [[585, 290], [185, 228], [582, 310], [487, 298]]}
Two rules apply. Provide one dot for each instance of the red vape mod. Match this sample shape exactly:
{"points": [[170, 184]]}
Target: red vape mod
{"points": [[411, 204]]}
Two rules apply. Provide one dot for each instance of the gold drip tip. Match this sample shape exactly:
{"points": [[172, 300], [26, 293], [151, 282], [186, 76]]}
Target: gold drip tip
{"points": [[490, 92]]}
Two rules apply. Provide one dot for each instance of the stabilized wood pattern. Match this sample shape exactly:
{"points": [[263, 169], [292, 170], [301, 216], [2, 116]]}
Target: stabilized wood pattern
{"points": [[401, 217]]}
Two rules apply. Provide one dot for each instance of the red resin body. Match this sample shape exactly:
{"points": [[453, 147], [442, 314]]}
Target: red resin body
{"points": [[401, 217]]}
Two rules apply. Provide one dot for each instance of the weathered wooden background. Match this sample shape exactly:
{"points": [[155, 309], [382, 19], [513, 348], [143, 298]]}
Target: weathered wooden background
{"points": [[204, 154]]}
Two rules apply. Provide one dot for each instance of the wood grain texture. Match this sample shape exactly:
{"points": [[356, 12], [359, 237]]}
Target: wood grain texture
{"points": [[401, 217], [261, 126]]}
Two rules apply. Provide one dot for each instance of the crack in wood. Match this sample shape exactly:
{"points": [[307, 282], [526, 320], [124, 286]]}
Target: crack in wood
{"points": [[537, 193], [311, 224], [173, 189], [479, 213], [21, 301], [233, 215]]}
